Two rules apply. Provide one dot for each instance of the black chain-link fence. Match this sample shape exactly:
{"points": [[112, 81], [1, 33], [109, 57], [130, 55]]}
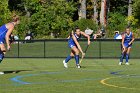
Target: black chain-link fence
{"points": [[58, 48]]}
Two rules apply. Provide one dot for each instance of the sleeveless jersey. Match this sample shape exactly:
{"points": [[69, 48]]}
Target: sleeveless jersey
{"points": [[71, 41], [3, 31], [128, 38]]}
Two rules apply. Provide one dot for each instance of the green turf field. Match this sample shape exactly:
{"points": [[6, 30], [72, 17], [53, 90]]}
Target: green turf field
{"points": [[49, 76]]}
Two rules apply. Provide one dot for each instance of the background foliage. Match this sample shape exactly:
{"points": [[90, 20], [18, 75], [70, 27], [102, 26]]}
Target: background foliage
{"points": [[44, 17]]}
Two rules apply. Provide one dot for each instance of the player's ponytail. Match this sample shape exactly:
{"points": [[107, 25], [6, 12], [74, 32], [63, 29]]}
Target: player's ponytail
{"points": [[71, 33]]}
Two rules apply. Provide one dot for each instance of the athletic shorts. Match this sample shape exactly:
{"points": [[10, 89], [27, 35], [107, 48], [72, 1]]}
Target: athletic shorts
{"points": [[127, 45], [2, 40], [71, 45]]}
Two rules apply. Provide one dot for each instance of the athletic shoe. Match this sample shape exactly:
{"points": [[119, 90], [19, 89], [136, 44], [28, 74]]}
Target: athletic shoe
{"points": [[1, 73], [78, 66], [120, 63], [65, 64], [127, 63]]}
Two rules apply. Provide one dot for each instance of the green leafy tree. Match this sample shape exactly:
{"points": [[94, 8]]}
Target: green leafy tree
{"points": [[136, 9], [116, 22], [5, 14], [83, 24], [50, 17], [120, 6]]}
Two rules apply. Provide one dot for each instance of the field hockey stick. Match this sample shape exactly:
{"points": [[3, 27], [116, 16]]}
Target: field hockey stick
{"points": [[86, 49], [84, 55]]}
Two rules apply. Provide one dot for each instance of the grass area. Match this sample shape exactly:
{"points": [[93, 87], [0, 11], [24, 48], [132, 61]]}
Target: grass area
{"points": [[60, 49], [49, 76]]}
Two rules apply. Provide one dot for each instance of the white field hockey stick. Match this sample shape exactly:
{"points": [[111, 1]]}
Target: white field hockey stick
{"points": [[84, 55]]}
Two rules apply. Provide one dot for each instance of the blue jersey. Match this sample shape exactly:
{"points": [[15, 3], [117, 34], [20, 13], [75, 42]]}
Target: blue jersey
{"points": [[128, 38], [3, 31], [71, 42], [115, 37]]}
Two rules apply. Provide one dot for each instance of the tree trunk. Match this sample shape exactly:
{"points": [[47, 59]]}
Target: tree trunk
{"points": [[82, 10], [130, 8], [95, 17], [103, 13]]}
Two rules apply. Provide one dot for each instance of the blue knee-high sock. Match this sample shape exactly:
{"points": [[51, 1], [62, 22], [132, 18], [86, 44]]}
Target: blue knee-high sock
{"points": [[1, 57], [121, 58], [68, 58], [77, 59], [127, 58]]}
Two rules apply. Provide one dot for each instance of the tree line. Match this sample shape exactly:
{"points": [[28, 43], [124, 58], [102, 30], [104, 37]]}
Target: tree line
{"points": [[59, 17]]}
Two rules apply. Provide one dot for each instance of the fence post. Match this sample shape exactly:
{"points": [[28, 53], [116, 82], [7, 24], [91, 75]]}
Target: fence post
{"points": [[100, 54], [44, 48]]}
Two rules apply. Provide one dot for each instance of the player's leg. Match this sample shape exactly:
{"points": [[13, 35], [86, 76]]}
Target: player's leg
{"points": [[122, 55], [68, 58], [71, 45], [1, 56], [127, 55], [76, 52], [2, 52]]}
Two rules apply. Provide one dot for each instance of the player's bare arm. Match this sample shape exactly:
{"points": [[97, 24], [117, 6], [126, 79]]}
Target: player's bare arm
{"points": [[87, 36], [78, 45], [11, 27], [133, 38], [123, 36]]}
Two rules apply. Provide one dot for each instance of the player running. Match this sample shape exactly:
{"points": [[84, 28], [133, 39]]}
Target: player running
{"points": [[5, 32], [127, 40], [75, 46]]}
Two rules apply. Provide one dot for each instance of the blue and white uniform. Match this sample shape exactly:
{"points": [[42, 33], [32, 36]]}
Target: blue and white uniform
{"points": [[127, 40], [3, 31], [118, 36], [71, 42]]}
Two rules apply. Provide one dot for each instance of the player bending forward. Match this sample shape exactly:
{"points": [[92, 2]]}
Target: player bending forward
{"points": [[127, 40], [5, 32], [75, 46]]}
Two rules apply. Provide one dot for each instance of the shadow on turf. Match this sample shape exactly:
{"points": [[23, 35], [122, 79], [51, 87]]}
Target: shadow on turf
{"points": [[81, 67], [15, 71]]}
